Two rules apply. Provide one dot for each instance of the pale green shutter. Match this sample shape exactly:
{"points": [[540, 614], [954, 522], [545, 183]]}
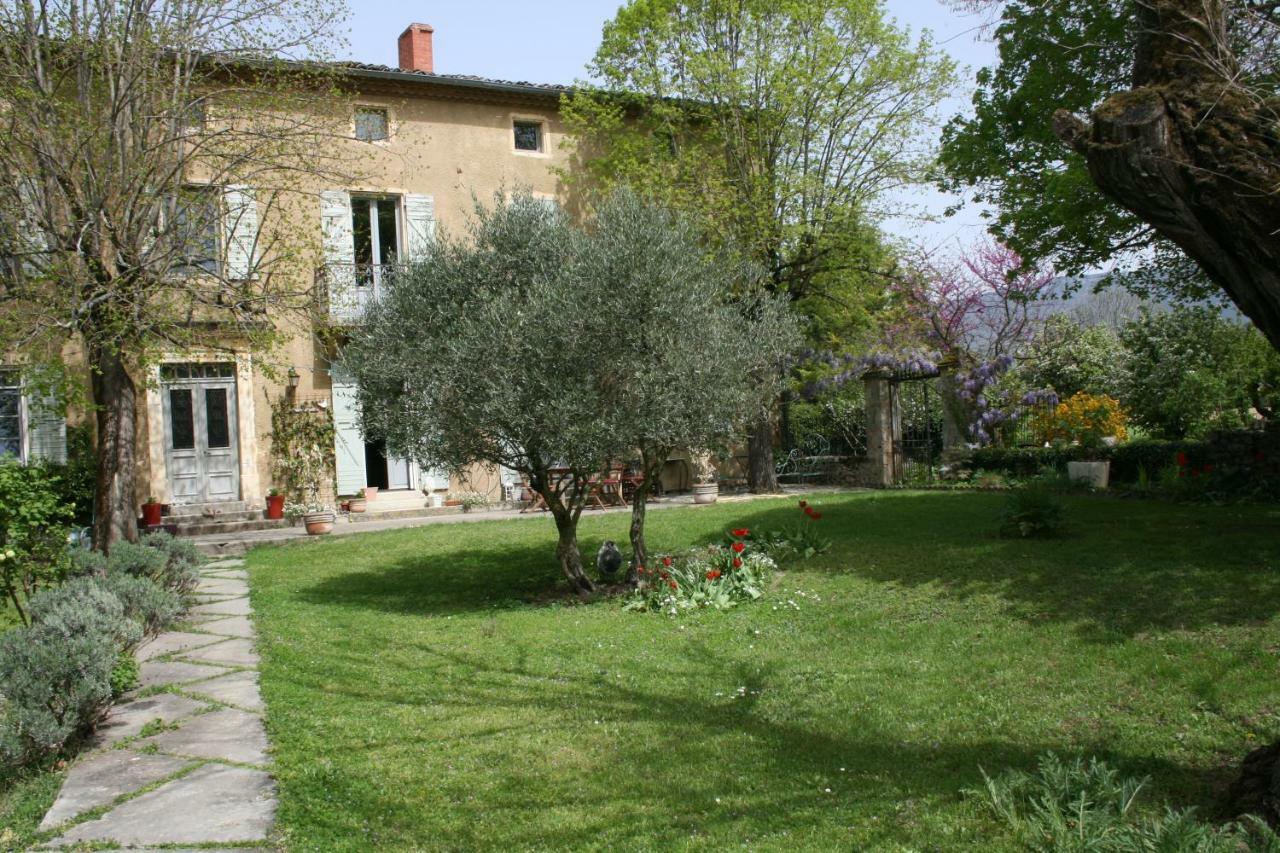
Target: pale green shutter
{"points": [[241, 232], [339, 253], [348, 440], [420, 222], [46, 430]]}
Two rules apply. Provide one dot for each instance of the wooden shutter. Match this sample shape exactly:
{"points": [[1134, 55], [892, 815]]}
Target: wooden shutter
{"points": [[420, 222], [348, 440], [46, 430], [339, 253], [241, 232]]}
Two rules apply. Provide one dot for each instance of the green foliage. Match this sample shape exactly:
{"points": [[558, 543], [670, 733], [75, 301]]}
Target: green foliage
{"points": [[1069, 358], [81, 607], [143, 601], [1191, 371], [1077, 806], [1126, 459], [124, 675], [34, 522], [798, 541], [182, 561], [715, 578], [779, 127], [75, 480], [56, 685], [302, 459], [1031, 513]]}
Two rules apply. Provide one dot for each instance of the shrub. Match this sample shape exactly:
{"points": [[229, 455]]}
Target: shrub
{"points": [[82, 606], [1079, 806], [34, 523], [1031, 513], [719, 577], [182, 561], [56, 685], [801, 540], [1085, 419], [147, 604], [124, 675]]}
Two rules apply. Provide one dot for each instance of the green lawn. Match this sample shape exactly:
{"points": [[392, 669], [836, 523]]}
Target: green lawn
{"points": [[422, 694]]}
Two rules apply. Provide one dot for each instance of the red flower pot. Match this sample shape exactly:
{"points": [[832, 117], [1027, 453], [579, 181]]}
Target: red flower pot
{"points": [[275, 507], [151, 515]]}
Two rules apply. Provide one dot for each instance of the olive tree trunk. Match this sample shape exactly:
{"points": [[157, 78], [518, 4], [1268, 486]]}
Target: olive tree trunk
{"points": [[1193, 153], [762, 473], [567, 551], [115, 518]]}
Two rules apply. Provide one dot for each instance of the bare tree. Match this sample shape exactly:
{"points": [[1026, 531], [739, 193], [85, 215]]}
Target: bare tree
{"points": [[142, 144]]}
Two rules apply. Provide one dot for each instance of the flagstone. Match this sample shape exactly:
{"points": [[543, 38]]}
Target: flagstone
{"points": [[105, 777]]}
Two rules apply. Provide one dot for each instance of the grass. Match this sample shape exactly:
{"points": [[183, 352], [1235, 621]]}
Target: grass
{"points": [[420, 696]]}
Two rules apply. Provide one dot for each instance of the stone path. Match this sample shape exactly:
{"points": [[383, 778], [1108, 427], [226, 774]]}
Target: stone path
{"points": [[185, 759]]}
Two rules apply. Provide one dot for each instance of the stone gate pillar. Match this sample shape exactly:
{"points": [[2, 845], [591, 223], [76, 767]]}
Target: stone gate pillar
{"points": [[884, 431]]}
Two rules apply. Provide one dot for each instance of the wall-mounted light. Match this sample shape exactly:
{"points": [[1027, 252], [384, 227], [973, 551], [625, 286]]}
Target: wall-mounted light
{"points": [[294, 376]]}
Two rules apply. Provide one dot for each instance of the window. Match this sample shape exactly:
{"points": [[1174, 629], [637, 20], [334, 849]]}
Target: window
{"points": [[195, 228], [528, 135], [191, 119], [197, 370], [376, 234], [371, 124], [183, 418], [10, 415]]}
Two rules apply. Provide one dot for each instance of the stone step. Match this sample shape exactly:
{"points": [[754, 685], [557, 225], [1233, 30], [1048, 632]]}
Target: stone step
{"points": [[203, 510], [228, 526]]}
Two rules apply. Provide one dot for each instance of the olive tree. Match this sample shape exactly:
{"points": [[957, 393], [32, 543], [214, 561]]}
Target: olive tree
{"points": [[552, 350], [692, 364]]}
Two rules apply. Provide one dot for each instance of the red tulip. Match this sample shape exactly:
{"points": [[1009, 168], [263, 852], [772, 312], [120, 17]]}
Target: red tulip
{"points": [[817, 516], [737, 562], [666, 561], [741, 532], [673, 585], [713, 574], [738, 547], [1182, 458]]}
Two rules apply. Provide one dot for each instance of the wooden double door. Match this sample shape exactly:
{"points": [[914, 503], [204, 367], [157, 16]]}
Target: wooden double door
{"points": [[202, 448]]}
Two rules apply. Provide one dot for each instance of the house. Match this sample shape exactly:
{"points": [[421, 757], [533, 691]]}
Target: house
{"points": [[429, 144]]}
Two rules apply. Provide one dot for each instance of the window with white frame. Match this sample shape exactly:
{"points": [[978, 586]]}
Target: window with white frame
{"points": [[197, 216], [372, 124], [528, 135]]}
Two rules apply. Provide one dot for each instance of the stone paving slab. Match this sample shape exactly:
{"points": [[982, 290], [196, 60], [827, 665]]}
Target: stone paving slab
{"points": [[236, 651], [230, 574], [238, 688], [226, 735], [230, 563], [103, 778], [222, 586], [235, 607], [156, 673], [211, 805], [129, 719], [171, 642], [231, 626]]}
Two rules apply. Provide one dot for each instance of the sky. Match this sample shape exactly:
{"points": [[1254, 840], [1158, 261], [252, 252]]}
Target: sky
{"points": [[552, 43]]}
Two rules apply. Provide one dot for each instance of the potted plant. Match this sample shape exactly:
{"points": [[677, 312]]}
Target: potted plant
{"points": [[1091, 422], [151, 512], [451, 500], [370, 492], [706, 488], [358, 503], [471, 500], [317, 517], [275, 505]]}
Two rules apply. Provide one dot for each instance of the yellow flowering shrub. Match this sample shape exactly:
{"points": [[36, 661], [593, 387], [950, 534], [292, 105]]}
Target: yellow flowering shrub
{"points": [[1085, 418]]}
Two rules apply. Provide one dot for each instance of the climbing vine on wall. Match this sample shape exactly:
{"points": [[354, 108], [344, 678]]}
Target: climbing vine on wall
{"points": [[302, 436]]}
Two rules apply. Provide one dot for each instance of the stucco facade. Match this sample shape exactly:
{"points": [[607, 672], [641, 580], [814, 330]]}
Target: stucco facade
{"points": [[449, 142]]}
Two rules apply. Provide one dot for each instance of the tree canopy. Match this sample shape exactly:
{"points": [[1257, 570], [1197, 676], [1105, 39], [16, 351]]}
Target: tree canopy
{"points": [[553, 350]]}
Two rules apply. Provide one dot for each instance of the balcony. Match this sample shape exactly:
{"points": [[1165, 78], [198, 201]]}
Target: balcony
{"points": [[351, 288]]}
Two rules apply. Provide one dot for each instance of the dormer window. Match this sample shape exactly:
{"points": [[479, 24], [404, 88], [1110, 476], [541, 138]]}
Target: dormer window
{"points": [[372, 124], [528, 135]]}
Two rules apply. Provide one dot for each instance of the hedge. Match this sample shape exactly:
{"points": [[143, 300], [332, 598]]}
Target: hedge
{"points": [[1126, 459]]}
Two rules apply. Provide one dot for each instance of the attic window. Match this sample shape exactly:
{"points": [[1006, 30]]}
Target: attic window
{"points": [[371, 124], [528, 135]]}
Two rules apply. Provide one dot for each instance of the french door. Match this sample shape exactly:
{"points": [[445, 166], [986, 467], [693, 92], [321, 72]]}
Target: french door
{"points": [[201, 441]]}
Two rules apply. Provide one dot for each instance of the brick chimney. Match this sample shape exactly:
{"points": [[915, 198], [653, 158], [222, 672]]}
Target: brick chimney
{"points": [[415, 49]]}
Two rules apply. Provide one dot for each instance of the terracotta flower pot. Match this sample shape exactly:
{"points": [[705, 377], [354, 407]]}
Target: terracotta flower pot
{"points": [[275, 507], [453, 503], [318, 523], [358, 505], [151, 514], [370, 492]]}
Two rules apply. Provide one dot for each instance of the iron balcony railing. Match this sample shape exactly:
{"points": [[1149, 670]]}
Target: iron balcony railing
{"points": [[351, 288]]}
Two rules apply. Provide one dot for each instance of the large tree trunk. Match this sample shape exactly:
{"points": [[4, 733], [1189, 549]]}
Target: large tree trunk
{"points": [[567, 548], [1194, 155], [762, 474], [115, 517]]}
